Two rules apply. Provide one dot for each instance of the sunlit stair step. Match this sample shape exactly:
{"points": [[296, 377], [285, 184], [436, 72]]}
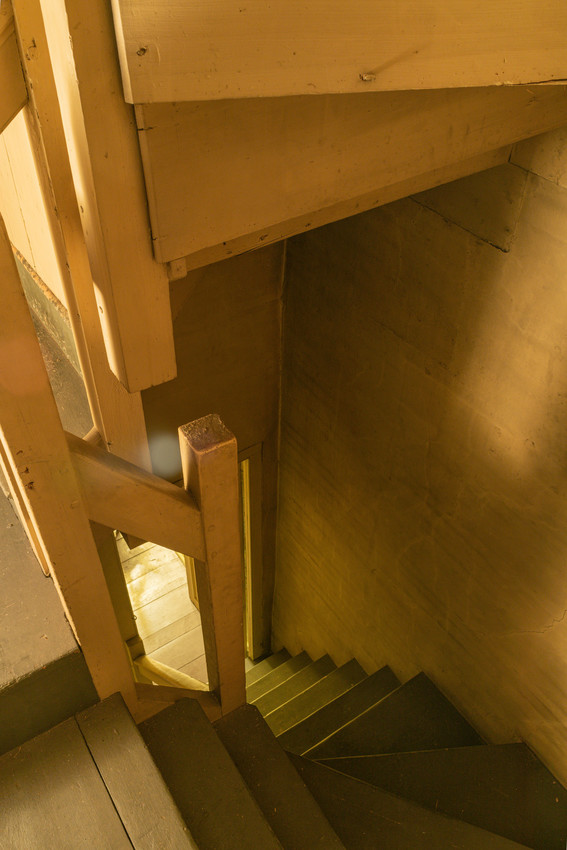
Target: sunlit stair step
{"points": [[294, 685], [503, 788], [330, 687], [275, 677], [210, 793], [368, 818], [262, 668], [282, 796], [416, 716], [318, 726]]}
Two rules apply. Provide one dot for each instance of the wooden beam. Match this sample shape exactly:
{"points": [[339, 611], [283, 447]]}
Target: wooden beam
{"points": [[73, 49], [227, 49], [210, 472], [120, 495], [223, 170], [13, 91], [35, 445], [117, 415]]}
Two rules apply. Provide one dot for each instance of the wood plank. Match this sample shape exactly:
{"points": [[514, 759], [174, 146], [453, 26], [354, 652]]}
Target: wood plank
{"points": [[52, 795], [262, 668], [365, 817], [309, 732], [131, 288], [283, 798], [164, 674], [13, 91], [117, 414], [210, 472], [337, 682], [295, 685], [276, 676], [106, 547], [503, 789], [416, 716], [37, 451], [182, 650], [121, 495], [132, 779], [204, 782], [304, 154], [204, 51], [154, 698]]}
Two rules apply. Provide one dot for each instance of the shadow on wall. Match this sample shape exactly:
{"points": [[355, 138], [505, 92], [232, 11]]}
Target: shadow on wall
{"points": [[423, 480]]}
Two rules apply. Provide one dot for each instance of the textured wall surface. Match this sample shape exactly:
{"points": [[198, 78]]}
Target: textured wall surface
{"points": [[423, 480]]}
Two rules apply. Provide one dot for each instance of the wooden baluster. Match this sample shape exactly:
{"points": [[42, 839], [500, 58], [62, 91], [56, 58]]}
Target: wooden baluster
{"points": [[210, 473]]}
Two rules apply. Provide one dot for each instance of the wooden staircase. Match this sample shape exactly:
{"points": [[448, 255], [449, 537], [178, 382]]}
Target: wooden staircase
{"points": [[356, 762]]}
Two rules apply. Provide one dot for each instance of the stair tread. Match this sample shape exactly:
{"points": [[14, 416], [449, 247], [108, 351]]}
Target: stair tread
{"points": [[318, 726], [295, 685], [276, 677], [137, 788], [211, 795], [501, 788], [262, 668], [52, 796], [331, 686], [416, 716], [366, 817], [283, 797]]}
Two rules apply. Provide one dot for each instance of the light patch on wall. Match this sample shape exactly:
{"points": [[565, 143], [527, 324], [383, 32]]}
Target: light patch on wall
{"points": [[165, 454]]}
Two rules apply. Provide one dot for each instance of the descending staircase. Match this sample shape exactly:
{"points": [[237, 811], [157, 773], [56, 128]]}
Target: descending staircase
{"points": [[340, 759]]}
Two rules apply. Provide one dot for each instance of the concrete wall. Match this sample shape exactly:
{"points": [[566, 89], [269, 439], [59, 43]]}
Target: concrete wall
{"points": [[423, 479]]}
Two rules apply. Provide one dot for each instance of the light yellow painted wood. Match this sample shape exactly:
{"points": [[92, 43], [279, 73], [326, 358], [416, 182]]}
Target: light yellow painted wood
{"points": [[210, 472], [35, 444], [180, 51], [131, 288], [13, 92], [120, 495], [154, 698], [325, 215], [220, 171], [250, 466], [117, 415], [24, 205]]}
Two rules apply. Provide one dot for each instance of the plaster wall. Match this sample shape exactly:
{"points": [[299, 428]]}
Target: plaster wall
{"points": [[423, 472]]}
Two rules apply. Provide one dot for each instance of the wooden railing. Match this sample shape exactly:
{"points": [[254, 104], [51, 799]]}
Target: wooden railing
{"points": [[70, 492]]}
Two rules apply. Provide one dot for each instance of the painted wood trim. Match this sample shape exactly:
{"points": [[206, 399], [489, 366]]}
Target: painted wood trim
{"points": [[35, 444], [122, 496], [221, 171], [154, 698], [117, 415], [13, 91], [250, 462], [210, 473], [205, 51]]}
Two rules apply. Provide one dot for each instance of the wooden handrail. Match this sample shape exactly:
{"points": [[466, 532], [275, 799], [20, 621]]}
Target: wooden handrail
{"points": [[121, 495]]}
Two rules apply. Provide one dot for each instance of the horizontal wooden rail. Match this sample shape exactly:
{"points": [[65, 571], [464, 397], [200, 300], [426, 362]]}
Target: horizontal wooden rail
{"points": [[162, 674], [123, 496]]}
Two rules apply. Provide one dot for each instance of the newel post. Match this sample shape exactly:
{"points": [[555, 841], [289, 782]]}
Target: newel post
{"points": [[210, 473]]}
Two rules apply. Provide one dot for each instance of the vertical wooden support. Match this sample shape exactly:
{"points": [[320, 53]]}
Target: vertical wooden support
{"points": [[210, 473], [117, 415], [36, 449], [114, 574]]}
